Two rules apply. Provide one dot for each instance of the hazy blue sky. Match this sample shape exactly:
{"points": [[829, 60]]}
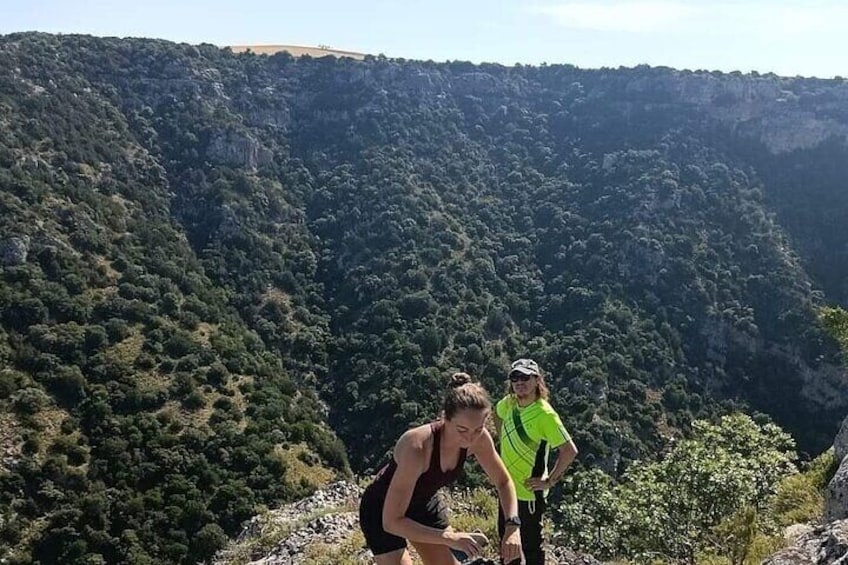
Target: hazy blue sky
{"points": [[788, 37]]}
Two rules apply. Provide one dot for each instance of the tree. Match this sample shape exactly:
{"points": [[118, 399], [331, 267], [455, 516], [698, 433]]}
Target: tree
{"points": [[671, 505], [669, 509], [208, 541], [835, 321], [591, 517]]}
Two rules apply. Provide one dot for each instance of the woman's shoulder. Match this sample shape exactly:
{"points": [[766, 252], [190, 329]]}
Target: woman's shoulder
{"points": [[420, 433], [546, 407], [414, 442], [504, 403]]}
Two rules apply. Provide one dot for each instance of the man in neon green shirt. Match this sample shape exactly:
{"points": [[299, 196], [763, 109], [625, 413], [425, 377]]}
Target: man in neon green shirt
{"points": [[528, 428]]}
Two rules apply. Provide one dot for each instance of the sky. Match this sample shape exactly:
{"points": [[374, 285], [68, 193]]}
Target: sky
{"points": [[786, 37]]}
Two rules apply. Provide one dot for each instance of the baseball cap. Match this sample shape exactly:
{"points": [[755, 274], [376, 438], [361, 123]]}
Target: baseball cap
{"points": [[526, 367]]}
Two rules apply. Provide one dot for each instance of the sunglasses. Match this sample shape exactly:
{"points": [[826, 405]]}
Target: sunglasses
{"points": [[517, 377]]}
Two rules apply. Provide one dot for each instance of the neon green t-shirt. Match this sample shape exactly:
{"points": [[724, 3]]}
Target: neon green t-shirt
{"points": [[522, 431]]}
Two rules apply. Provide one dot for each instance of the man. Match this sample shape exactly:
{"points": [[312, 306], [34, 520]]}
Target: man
{"points": [[528, 428]]}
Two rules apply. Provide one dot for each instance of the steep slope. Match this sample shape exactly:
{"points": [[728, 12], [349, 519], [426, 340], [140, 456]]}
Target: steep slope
{"points": [[197, 243], [144, 419]]}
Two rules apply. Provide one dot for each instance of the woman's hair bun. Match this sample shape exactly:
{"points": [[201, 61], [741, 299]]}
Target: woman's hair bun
{"points": [[459, 379]]}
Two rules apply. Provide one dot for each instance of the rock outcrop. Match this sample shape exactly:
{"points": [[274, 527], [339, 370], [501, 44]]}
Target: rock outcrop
{"points": [[238, 149], [836, 498], [825, 543], [283, 536], [14, 250], [840, 444], [765, 108]]}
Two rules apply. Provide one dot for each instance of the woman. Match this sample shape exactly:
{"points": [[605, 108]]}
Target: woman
{"points": [[529, 428], [401, 503]]}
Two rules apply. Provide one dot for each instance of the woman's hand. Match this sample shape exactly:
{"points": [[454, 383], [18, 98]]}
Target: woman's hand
{"points": [[469, 543], [511, 544], [535, 483]]}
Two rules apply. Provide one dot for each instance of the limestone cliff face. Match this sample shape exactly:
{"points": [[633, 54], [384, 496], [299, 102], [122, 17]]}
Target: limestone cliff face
{"points": [[238, 149], [840, 444], [766, 108], [828, 542], [836, 501]]}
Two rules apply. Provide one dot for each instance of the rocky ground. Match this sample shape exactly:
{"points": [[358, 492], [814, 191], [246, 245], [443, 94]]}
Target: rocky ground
{"points": [[283, 536], [329, 517]]}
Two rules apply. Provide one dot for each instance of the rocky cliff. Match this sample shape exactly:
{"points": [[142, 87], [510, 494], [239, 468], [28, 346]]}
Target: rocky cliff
{"points": [[825, 543]]}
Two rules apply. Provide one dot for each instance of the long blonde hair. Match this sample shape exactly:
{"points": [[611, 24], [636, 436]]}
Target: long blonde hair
{"points": [[542, 390]]}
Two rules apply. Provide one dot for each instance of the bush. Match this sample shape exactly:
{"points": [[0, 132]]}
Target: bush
{"points": [[10, 381], [194, 401], [207, 542], [29, 401]]}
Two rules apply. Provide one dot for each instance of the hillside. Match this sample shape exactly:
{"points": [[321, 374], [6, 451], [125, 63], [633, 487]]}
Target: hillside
{"points": [[217, 264], [296, 51]]}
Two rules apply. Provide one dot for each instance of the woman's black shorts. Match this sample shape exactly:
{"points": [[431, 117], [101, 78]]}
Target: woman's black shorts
{"points": [[433, 513]]}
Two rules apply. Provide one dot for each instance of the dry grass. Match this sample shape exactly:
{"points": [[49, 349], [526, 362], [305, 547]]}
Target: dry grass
{"points": [[347, 552], [297, 51], [284, 302], [204, 332], [87, 171], [127, 350], [150, 381], [198, 419], [237, 395], [10, 436], [50, 419], [173, 410], [105, 267], [98, 295], [298, 472], [278, 297]]}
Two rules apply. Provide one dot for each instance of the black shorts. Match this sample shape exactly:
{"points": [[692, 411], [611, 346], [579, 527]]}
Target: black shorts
{"points": [[433, 513]]}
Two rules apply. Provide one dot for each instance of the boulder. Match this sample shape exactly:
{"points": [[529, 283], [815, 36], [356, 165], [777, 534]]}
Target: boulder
{"points": [[237, 149], [13, 251], [840, 444], [823, 545], [836, 496]]}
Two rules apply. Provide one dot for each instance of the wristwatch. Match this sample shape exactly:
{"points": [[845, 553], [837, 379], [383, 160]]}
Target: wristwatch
{"points": [[513, 521]]}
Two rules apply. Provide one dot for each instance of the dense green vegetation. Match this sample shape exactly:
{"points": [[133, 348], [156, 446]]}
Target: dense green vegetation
{"points": [[723, 496], [835, 321], [146, 419], [210, 260]]}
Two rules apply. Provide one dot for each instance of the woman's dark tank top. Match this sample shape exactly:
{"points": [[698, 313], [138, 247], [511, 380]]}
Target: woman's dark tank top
{"points": [[429, 482]]}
